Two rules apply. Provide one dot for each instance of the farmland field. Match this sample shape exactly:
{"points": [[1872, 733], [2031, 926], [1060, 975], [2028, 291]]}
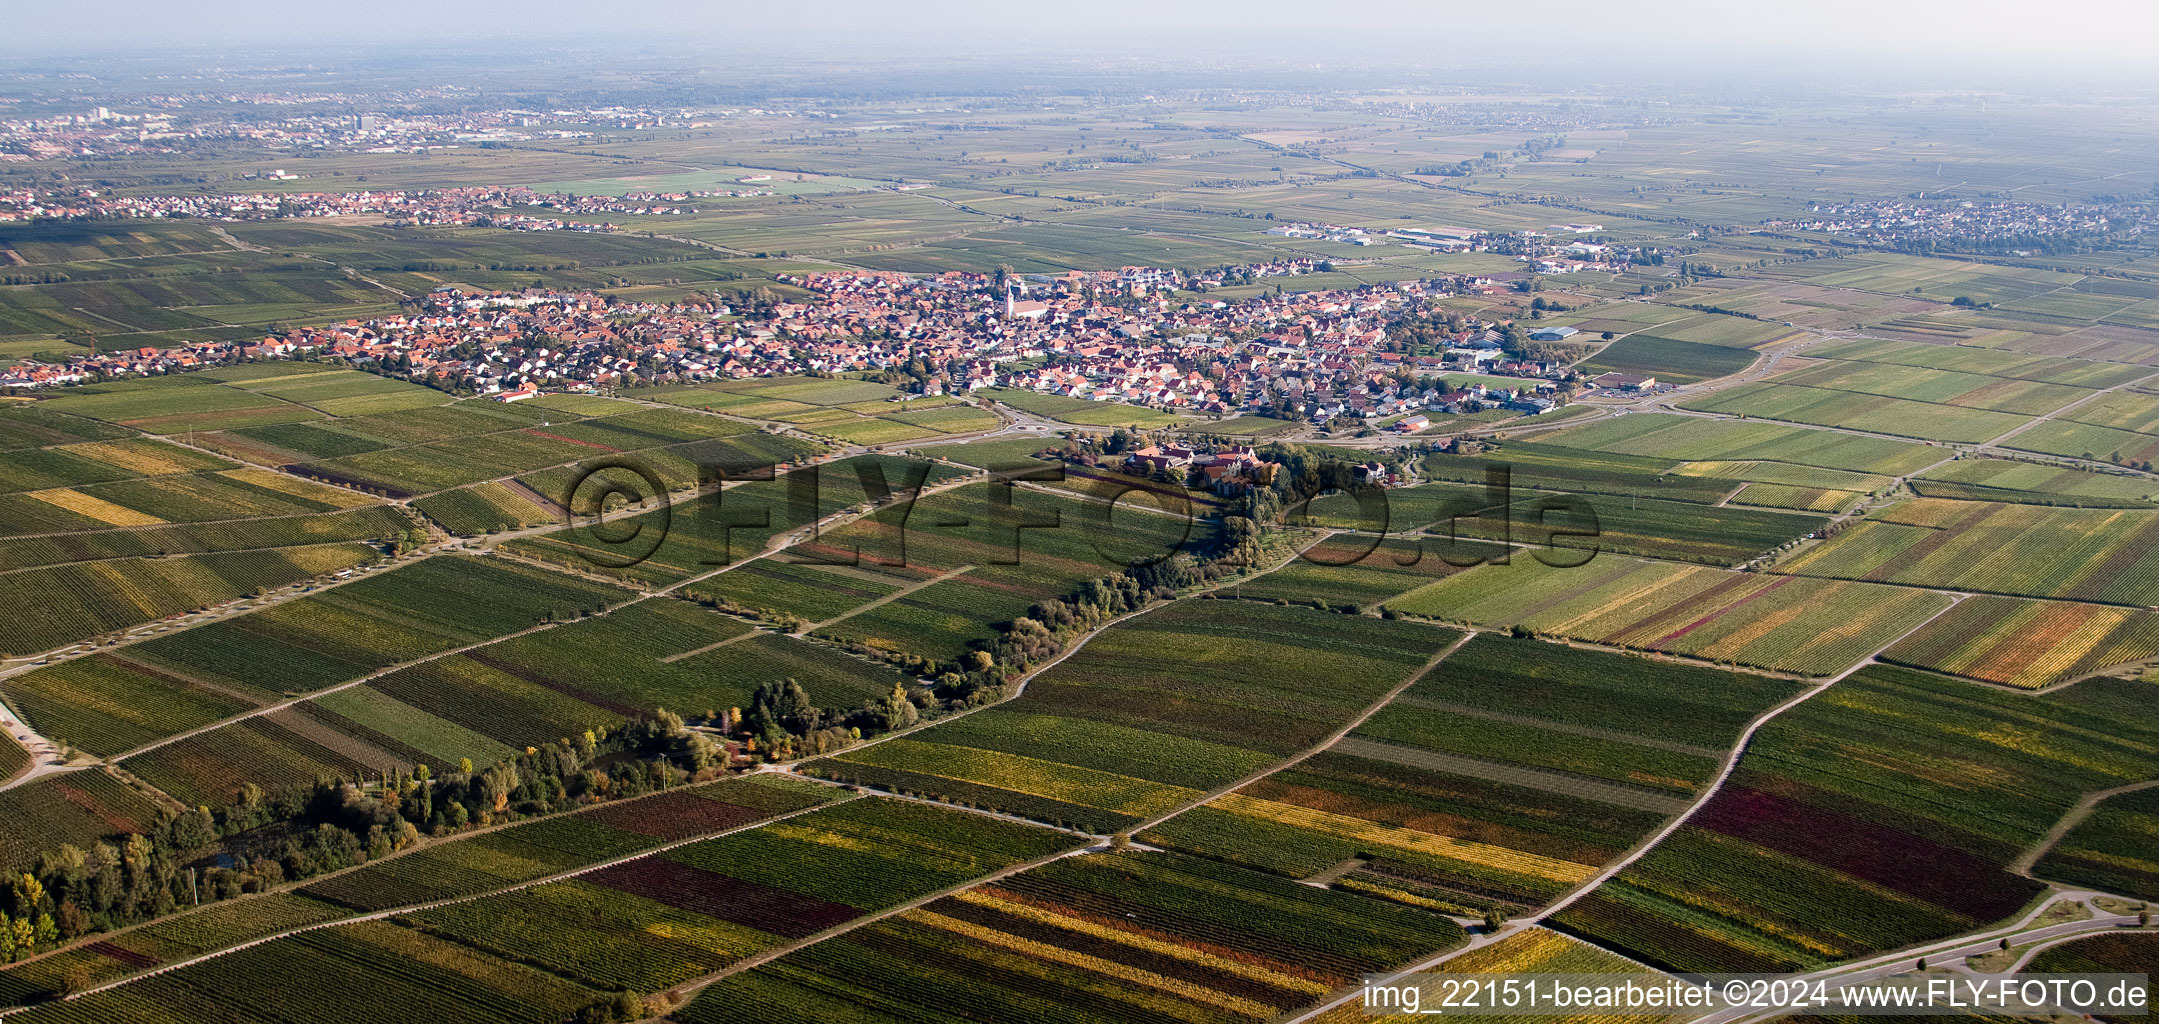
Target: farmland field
{"points": [[1945, 387], [734, 524], [1107, 937], [2004, 480], [210, 928], [2029, 644], [64, 604], [2100, 555], [1532, 951], [1509, 773], [1880, 813], [1856, 411], [1667, 359], [2113, 849], [1634, 524], [80, 807], [1358, 571], [1691, 438], [1799, 625], [1164, 719], [117, 700], [1083, 412], [539, 849], [664, 919], [2118, 953]]}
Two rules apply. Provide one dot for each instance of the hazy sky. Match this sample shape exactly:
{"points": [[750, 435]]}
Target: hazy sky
{"points": [[2035, 36]]}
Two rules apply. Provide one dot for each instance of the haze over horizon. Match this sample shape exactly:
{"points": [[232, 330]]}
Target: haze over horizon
{"points": [[2078, 36]]}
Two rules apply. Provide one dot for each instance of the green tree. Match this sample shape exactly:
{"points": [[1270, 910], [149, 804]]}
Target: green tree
{"points": [[1495, 919]]}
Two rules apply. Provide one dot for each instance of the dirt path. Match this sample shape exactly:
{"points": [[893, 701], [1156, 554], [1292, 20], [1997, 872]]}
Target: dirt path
{"points": [[858, 923], [2071, 819], [885, 600], [1640, 849]]}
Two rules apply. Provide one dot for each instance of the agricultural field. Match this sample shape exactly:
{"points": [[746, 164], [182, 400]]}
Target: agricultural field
{"points": [[120, 699], [1578, 526], [79, 807], [488, 508], [92, 462], [375, 969], [204, 497], [1531, 951], [503, 449], [1667, 359], [2100, 555], [838, 410], [1693, 439], [1881, 812], [1359, 571], [485, 703], [1787, 624], [1102, 938], [1853, 410], [998, 454], [1797, 499], [178, 404], [216, 926], [2083, 373], [1557, 468], [2029, 645], [1941, 387], [736, 523], [13, 758], [59, 605], [1082, 412], [2118, 953], [1246, 429], [661, 920], [2033, 483], [2112, 850], [1503, 777], [955, 586], [2073, 440], [366, 523], [551, 846], [1153, 712]]}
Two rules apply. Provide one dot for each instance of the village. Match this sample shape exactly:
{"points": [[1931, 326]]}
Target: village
{"points": [[1142, 336]]}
